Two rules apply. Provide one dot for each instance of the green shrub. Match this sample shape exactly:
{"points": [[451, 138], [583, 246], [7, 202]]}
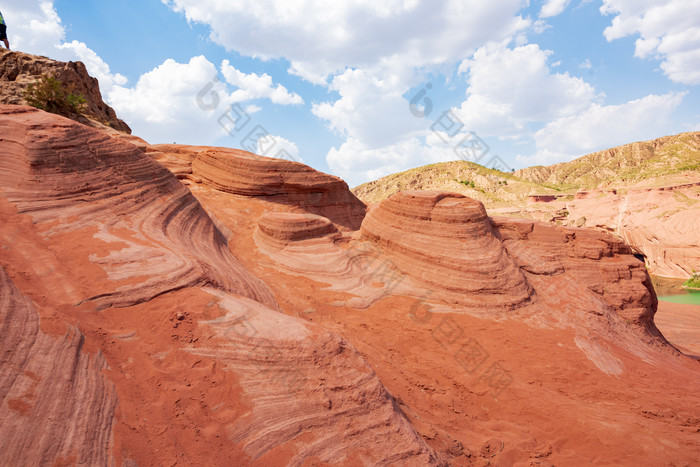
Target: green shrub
{"points": [[50, 94], [693, 282]]}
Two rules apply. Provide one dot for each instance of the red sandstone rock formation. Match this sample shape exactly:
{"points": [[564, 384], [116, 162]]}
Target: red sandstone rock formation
{"points": [[71, 178], [57, 406], [661, 223], [274, 180], [248, 319], [89, 224], [445, 241]]}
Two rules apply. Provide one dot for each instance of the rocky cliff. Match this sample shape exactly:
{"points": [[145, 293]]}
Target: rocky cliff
{"points": [[18, 70]]}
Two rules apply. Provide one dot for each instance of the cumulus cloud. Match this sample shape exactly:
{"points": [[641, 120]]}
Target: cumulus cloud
{"points": [[669, 31], [553, 8], [510, 88], [253, 86], [278, 147], [371, 53], [174, 99], [604, 126], [324, 37], [357, 162], [371, 108]]}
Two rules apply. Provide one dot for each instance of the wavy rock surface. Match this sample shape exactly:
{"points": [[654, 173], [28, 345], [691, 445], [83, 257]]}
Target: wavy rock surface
{"points": [[445, 241], [280, 181], [200, 375], [307, 383], [233, 328], [69, 178], [55, 402], [588, 281], [308, 245], [291, 184]]}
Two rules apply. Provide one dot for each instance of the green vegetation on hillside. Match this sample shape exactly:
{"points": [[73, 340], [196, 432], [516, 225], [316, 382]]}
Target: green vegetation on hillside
{"points": [[490, 186], [50, 94], [663, 161], [624, 165]]}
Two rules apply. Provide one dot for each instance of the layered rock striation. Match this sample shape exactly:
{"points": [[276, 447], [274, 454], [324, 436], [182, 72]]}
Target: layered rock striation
{"points": [[56, 405], [110, 252], [156, 236], [445, 241]]}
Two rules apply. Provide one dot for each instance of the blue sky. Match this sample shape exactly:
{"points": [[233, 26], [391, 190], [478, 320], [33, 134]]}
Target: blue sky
{"points": [[331, 83]]}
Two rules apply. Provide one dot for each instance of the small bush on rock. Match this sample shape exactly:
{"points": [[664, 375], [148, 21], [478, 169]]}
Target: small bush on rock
{"points": [[50, 94]]}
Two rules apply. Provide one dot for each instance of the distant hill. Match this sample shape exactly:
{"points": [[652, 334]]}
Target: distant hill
{"points": [[659, 162], [490, 186], [623, 165]]}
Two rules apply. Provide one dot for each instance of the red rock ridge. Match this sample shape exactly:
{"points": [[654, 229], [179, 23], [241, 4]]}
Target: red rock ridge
{"points": [[586, 273], [205, 370]]}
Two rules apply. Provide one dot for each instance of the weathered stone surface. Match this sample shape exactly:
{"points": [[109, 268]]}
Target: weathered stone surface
{"points": [[55, 403], [663, 224], [445, 241], [18, 70], [91, 223], [228, 317]]}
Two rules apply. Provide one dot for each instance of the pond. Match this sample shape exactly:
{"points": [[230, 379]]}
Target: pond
{"points": [[669, 290]]}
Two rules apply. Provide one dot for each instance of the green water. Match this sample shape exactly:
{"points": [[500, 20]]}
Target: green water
{"points": [[669, 290], [688, 299]]}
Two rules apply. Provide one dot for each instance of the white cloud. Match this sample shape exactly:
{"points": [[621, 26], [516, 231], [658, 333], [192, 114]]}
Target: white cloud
{"points": [[35, 27], [279, 147], [509, 89], [604, 126], [309, 72], [371, 53], [553, 8], [325, 37], [586, 65], [357, 163], [371, 108], [252, 108], [669, 31], [253, 86], [174, 99]]}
